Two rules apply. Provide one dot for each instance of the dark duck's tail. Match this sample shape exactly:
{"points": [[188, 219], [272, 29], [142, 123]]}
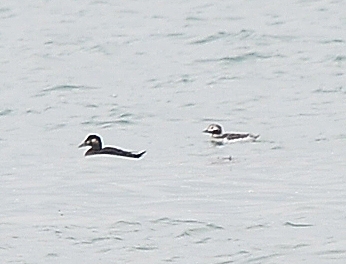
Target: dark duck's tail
{"points": [[139, 154]]}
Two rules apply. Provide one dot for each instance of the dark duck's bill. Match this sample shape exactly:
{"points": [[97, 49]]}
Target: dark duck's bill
{"points": [[95, 142]]}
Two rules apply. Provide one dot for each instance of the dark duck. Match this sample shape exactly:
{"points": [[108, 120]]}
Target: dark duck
{"points": [[95, 143]]}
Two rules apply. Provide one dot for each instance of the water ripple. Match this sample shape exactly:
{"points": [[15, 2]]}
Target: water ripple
{"points": [[145, 248], [190, 228], [331, 252], [297, 224], [106, 123], [211, 38], [170, 221], [64, 88], [238, 58], [5, 112], [324, 90], [6, 13], [340, 58]]}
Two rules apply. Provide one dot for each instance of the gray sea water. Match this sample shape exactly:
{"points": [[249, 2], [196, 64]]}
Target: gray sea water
{"points": [[152, 76]]}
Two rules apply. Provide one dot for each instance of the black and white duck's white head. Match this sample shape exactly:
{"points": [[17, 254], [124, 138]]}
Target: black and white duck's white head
{"points": [[213, 129]]}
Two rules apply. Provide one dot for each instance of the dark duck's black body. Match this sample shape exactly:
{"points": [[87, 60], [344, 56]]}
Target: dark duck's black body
{"points": [[95, 143]]}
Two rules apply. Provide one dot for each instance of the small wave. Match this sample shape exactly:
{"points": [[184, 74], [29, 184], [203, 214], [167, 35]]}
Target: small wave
{"points": [[211, 38], [67, 87], [126, 223], [51, 127], [325, 90], [100, 239], [340, 58], [237, 58], [194, 18], [246, 56], [6, 13], [322, 138], [175, 35], [107, 123], [259, 226], [332, 41], [203, 241], [5, 112], [277, 147], [91, 241], [91, 106], [170, 221], [192, 231], [331, 252], [32, 111], [207, 119], [52, 255], [190, 228], [188, 105], [263, 258], [244, 34], [230, 258], [64, 88], [145, 248], [297, 224]]}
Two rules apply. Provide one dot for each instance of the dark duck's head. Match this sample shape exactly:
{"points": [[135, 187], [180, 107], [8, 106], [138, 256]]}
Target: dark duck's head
{"points": [[93, 141], [213, 129]]}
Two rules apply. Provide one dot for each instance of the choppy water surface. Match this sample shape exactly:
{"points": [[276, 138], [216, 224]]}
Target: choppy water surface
{"points": [[152, 76]]}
